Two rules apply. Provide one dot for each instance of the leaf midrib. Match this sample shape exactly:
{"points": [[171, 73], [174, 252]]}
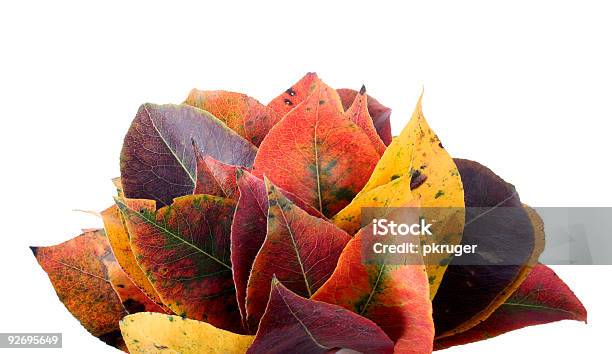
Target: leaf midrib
{"points": [[532, 306], [316, 151], [374, 287], [295, 248], [169, 232], [310, 335], [163, 139]]}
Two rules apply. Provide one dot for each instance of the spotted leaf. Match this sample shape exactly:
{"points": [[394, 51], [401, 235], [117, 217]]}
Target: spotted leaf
{"points": [[296, 94], [318, 154], [417, 151], [155, 333], [393, 194]]}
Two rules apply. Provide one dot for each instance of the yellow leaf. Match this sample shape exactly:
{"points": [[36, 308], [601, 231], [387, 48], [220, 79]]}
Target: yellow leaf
{"points": [[118, 237], [149, 332], [393, 194], [417, 151]]}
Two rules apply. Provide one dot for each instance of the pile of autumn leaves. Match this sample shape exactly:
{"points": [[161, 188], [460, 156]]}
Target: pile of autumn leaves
{"points": [[236, 229]]}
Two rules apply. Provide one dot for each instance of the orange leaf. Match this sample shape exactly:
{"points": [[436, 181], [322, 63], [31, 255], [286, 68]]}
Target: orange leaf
{"points": [[395, 297], [78, 271], [317, 153], [241, 113], [295, 95]]}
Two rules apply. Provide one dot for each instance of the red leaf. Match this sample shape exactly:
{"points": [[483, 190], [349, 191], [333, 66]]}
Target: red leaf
{"points": [[395, 297], [380, 114], [241, 113], [214, 177], [205, 182], [300, 249], [542, 298], [248, 232], [249, 228], [358, 114], [78, 271], [293, 324], [294, 95], [318, 154], [184, 249]]}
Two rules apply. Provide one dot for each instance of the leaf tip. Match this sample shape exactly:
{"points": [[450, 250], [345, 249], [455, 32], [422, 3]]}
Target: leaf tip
{"points": [[420, 101], [275, 281], [196, 148], [34, 250], [268, 183]]}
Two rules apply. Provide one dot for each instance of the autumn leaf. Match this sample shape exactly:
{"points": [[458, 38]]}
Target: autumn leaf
{"points": [[132, 298], [358, 114], [293, 324], [205, 182], [148, 332], [296, 94], [381, 115], [236, 218], [241, 113], [317, 153], [248, 233], [470, 292], [157, 160], [417, 152], [214, 177], [396, 193], [184, 249], [541, 298], [394, 296], [119, 241], [78, 271], [249, 227], [300, 249]]}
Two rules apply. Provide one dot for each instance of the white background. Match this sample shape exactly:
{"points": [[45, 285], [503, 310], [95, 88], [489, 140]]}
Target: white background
{"points": [[523, 87]]}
